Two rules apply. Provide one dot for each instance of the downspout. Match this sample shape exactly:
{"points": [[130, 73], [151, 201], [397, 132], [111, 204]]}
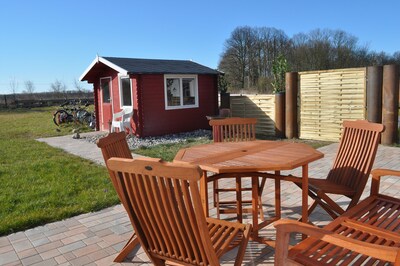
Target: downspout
{"points": [[139, 112]]}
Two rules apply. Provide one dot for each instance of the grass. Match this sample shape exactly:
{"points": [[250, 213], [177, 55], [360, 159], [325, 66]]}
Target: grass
{"points": [[41, 184], [167, 152]]}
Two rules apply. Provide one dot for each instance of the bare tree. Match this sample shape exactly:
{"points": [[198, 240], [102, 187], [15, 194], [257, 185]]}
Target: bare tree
{"points": [[78, 86], [58, 87], [14, 85], [29, 87], [248, 56]]}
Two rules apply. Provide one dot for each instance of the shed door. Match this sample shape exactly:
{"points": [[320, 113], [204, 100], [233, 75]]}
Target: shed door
{"points": [[106, 105]]}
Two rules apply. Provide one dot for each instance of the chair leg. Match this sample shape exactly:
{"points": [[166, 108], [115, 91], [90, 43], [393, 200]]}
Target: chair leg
{"points": [[239, 209], [215, 187], [328, 206], [242, 246], [129, 246], [216, 199], [260, 191]]}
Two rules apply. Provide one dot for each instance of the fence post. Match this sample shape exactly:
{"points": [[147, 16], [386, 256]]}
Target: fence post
{"points": [[374, 93], [280, 114], [390, 104], [291, 85]]}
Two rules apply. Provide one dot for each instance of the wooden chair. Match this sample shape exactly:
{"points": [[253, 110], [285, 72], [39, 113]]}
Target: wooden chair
{"points": [[367, 234], [230, 130], [163, 203], [115, 145], [351, 169], [233, 129]]}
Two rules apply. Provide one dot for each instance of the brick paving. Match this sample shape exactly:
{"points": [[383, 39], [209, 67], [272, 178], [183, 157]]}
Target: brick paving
{"points": [[96, 238]]}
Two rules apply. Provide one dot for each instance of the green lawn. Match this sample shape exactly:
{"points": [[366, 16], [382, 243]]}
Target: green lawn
{"points": [[168, 151], [41, 184]]}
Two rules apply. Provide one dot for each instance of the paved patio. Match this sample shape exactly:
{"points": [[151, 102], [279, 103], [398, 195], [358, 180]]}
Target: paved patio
{"points": [[96, 238]]}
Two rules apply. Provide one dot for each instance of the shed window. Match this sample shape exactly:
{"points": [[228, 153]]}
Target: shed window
{"points": [[126, 92], [181, 91], [105, 87]]}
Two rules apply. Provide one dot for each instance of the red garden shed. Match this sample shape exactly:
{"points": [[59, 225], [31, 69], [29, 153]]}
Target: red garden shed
{"points": [[164, 96]]}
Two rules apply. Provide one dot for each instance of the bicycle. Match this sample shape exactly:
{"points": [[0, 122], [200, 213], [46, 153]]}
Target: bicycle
{"points": [[73, 112]]}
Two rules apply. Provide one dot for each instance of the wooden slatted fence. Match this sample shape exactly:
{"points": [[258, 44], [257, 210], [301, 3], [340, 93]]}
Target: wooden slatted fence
{"points": [[261, 106], [327, 98]]}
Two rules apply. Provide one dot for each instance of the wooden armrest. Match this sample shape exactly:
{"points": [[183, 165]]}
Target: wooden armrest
{"points": [[285, 227], [376, 178], [382, 172]]}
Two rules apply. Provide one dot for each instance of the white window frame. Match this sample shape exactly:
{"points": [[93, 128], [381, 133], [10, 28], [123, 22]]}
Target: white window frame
{"points": [[120, 77], [181, 106]]}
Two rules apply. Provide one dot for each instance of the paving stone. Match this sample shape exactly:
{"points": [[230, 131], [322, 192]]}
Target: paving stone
{"points": [[60, 259], [86, 250], [27, 253], [40, 241], [8, 257], [49, 262], [49, 246], [50, 254], [71, 247], [32, 260], [80, 261], [16, 237], [22, 244], [4, 241]]}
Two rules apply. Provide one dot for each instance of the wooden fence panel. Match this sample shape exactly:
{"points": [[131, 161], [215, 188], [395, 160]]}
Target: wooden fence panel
{"points": [[261, 107], [327, 98]]}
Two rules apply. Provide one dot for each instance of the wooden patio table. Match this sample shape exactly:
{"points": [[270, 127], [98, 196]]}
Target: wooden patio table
{"points": [[253, 159]]}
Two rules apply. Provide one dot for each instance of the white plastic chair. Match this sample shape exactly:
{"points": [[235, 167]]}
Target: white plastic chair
{"points": [[121, 120]]}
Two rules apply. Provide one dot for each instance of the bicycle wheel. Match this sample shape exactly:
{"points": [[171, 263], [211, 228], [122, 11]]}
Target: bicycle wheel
{"points": [[89, 120], [60, 117]]}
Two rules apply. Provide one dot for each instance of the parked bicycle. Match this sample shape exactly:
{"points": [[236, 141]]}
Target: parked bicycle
{"points": [[72, 111]]}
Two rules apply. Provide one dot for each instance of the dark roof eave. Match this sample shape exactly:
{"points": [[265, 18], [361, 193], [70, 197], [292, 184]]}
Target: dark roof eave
{"points": [[172, 73]]}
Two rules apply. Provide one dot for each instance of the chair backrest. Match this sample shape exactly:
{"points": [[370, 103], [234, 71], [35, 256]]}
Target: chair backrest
{"points": [[114, 145], [118, 115], [356, 155], [163, 203], [233, 129]]}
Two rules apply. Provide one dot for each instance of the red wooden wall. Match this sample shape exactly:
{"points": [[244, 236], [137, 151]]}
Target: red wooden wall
{"points": [[155, 120]]}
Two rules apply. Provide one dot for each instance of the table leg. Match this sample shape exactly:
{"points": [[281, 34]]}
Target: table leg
{"points": [[304, 194], [204, 193], [278, 196]]}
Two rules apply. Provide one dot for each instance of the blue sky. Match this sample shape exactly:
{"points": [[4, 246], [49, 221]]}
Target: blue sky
{"points": [[47, 40]]}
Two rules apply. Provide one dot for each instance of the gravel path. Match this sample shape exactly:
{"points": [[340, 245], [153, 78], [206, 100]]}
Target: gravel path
{"points": [[135, 142]]}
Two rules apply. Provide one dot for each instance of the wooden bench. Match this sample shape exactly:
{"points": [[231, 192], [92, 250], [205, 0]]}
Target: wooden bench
{"points": [[367, 234]]}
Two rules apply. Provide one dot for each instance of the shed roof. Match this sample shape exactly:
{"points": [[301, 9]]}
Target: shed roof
{"points": [[150, 66]]}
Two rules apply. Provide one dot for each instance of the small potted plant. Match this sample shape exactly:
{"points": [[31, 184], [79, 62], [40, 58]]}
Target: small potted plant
{"points": [[279, 69]]}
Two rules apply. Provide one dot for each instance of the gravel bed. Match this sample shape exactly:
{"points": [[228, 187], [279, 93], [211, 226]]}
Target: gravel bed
{"points": [[135, 142]]}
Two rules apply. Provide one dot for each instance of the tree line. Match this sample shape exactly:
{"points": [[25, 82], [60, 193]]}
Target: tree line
{"points": [[249, 53], [56, 87]]}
